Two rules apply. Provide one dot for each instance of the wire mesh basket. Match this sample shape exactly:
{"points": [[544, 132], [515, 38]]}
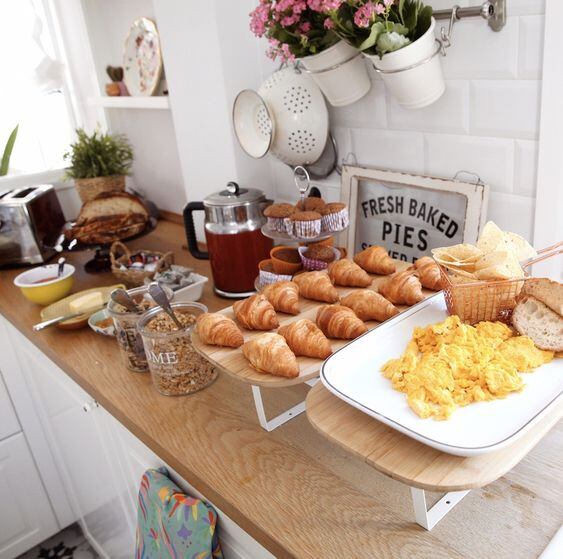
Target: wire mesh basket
{"points": [[477, 301]]}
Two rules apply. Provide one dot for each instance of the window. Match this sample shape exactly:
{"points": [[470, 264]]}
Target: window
{"points": [[33, 89]]}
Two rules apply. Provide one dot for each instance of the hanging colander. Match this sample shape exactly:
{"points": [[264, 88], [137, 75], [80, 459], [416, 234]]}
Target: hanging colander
{"points": [[286, 117]]}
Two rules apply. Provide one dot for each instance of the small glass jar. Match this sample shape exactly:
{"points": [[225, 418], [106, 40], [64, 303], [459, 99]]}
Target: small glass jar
{"points": [[126, 332], [176, 368]]}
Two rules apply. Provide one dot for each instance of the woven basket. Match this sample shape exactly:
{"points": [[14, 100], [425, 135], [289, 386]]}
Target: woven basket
{"points": [[89, 188], [120, 254]]}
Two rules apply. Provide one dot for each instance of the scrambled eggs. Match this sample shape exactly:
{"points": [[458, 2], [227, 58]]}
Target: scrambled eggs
{"points": [[452, 364]]}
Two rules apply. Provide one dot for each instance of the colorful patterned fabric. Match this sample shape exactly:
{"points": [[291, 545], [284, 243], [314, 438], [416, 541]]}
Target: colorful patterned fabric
{"points": [[173, 525]]}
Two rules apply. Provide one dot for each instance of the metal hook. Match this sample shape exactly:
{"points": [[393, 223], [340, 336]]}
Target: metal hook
{"points": [[302, 180], [348, 159], [446, 38], [477, 178]]}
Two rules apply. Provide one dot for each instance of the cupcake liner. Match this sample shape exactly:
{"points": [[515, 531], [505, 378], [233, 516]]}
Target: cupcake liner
{"points": [[336, 221], [311, 264], [306, 229], [266, 278], [283, 267], [277, 224]]}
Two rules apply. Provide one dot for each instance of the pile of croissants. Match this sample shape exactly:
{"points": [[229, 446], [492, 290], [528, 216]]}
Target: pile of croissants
{"points": [[275, 353]]}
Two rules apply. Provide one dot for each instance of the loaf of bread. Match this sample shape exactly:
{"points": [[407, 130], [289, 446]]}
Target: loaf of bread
{"points": [[109, 217], [536, 320], [547, 291], [109, 204]]}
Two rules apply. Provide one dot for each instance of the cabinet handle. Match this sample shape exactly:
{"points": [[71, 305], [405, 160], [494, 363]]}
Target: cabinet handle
{"points": [[89, 406]]}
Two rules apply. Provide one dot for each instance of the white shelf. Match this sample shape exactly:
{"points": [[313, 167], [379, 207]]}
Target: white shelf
{"points": [[155, 102]]}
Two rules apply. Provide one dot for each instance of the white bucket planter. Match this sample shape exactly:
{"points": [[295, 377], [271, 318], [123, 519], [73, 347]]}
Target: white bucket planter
{"points": [[413, 74], [340, 73]]}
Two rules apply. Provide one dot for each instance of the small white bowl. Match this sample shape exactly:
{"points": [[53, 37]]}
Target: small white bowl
{"points": [[191, 292], [97, 317]]}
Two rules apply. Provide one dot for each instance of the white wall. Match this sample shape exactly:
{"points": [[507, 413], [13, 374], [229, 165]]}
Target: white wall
{"points": [[486, 122]]}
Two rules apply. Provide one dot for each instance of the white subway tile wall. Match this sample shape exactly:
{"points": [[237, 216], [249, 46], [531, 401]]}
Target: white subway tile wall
{"points": [[486, 122]]}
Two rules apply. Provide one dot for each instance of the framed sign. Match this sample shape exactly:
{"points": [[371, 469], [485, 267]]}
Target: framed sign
{"points": [[410, 214]]}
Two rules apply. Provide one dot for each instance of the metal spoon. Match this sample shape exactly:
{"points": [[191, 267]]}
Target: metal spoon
{"points": [[160, 298], [121, 297], [61, 263]]}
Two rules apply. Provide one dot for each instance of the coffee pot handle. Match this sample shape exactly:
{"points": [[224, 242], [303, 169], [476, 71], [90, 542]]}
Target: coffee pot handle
{"points": [[190, 230]]}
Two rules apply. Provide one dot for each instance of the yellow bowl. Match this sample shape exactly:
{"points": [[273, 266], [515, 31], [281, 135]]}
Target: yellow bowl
{"points": [[42, 286]]}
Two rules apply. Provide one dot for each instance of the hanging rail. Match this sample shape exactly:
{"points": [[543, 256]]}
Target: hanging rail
{"points": [[494, 11]]}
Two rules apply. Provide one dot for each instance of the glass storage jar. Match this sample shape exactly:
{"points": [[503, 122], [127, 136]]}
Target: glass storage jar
{"points": [[126, 332], [176, 368]]}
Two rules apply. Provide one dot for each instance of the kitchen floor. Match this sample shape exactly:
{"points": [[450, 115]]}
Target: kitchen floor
{"points": [[70, 543]]}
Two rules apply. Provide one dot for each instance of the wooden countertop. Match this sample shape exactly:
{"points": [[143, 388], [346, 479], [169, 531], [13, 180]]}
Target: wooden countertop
{"points": [[290, 489]]}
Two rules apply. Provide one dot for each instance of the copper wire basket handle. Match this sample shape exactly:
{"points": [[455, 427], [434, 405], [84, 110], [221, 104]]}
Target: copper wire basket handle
{"points": [[544, 254]]}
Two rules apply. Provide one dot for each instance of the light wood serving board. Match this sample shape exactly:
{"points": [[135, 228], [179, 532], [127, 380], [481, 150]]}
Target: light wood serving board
{"points": [[233, 362], [410, 461]]}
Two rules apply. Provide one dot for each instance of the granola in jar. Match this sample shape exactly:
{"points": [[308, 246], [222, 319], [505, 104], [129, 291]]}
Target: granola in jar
{"points": [[176, 368], [128, 338]]}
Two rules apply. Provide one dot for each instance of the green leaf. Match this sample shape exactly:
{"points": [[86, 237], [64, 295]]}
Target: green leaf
{"points": [[423, 23], [8, 152], [376, 29], [389, 42]]}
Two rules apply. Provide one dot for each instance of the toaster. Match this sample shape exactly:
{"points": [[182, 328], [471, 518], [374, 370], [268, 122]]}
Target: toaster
{"points": [[31, 222]]}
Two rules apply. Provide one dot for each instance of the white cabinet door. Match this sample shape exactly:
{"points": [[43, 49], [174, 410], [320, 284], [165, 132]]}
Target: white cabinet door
{"points": [[26, 518], [91, 476], [135, 458], [9, 424]]}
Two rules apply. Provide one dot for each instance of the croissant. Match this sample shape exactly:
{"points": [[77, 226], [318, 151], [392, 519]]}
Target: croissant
{"points": [[369, 305], [428, 273], [304, 338], [269, 353], [284, 296], [340, 322], [218, 329], [256, 313], [402, 288], [316, 286], [375, 260], [347, 273]]}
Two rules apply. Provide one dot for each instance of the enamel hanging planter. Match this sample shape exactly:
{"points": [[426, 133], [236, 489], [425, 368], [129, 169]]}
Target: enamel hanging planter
{"points": [[340, 73], [413, 74]]}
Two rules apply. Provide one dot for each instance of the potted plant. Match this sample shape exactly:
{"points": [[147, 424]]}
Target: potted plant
{"points": [[5, 161], [398, 37], [302, 30], [98, 163]]}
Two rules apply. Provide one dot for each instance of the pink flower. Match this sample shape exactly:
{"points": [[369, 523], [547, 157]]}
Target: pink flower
{"points": [[258, 19], [388, 2], [324, 6], [363, 15], [288, 21], [328, 23], [286, 54], [305, 27], [379, 8]]}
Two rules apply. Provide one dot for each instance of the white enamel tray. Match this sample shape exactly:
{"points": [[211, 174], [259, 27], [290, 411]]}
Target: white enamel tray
{"points": [[353, 374]]}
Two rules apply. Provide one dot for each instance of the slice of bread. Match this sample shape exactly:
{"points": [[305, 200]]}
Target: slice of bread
{"points": [[549, 292], [534, 319], [110, 204]]}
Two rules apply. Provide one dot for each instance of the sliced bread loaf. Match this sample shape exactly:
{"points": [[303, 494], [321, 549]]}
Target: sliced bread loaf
{"points": [[549, 292], [534, 319], [110, 204]]}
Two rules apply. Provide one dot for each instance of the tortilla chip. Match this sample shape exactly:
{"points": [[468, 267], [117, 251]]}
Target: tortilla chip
{"points": [[492, 238], [494, 272], [497, 257], [520, 246], [462, 253]]}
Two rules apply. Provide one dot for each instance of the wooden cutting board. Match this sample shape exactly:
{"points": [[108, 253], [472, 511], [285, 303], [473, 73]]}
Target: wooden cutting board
{"points": [[233, 362]]}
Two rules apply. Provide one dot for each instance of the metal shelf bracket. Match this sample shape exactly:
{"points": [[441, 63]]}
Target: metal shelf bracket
{"points": [[429, 517], [494, 11], [275, 422]]}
